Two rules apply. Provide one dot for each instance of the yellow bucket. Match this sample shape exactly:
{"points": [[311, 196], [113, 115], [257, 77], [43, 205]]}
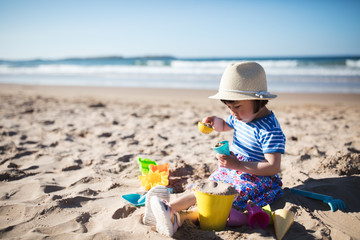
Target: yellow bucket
{"points": [[213, 210]]}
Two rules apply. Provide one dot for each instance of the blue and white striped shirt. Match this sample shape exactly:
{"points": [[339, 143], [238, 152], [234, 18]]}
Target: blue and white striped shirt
{"points": [[252, 140]]}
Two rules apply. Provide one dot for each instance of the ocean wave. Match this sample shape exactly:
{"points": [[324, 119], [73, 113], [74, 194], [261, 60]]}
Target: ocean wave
{"points": [[107, 69], [180, 68], [222, 64], [284, 75], [200, 64], [279, 64], [331, 72], [353, 63]]}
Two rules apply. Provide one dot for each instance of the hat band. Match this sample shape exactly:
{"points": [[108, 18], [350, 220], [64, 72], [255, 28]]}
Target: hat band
{"points": [[260, 94]]}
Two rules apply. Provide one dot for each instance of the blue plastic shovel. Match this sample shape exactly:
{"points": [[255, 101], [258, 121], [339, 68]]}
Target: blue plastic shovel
{"points": [[135, 199], [334, 204]]}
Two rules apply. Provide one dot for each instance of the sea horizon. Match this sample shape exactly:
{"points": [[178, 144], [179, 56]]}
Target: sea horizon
{"points": [[108, 56], [308, 74]]}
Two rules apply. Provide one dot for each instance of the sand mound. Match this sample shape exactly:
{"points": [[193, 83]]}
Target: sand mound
{"points": [[184, 174], [341, 164], [215, 188]]}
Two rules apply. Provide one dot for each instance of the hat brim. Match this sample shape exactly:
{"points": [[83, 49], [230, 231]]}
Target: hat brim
{"points": [[233, 96]]}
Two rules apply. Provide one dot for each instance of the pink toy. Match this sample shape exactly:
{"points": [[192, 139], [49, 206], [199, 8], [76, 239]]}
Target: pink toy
{"points": [[257, 216], [236, 218]]}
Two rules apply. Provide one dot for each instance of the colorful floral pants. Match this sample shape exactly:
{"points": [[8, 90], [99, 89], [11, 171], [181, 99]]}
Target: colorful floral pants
{"points": [[262, 190]]}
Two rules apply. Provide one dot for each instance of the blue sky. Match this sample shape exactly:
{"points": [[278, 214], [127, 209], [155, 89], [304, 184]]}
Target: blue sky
{"points": [[187, 28]]}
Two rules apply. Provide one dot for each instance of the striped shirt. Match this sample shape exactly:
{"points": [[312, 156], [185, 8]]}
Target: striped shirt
{"points": [[252, 140]]}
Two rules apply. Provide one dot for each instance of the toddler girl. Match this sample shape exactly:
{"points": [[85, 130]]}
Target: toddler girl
{"points": [[256, 149]]}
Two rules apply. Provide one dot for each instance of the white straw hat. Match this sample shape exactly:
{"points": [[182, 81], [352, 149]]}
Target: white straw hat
{"points": [[243, 81]]}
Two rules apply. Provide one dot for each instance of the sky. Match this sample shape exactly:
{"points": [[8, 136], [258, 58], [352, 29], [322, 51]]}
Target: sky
{"points": [[188, 28]]}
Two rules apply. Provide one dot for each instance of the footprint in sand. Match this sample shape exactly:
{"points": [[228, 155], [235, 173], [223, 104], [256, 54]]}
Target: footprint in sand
{"points": [[87, 180], [76, 166], [14, 174], [97, 105], [9, 133], [48, 122], [52, 188], [125, 158], [23, 154], [10, 147], [74, 202], [124, 212], [71, 168], [76, 225], [28, 111], [105, 135], [89, 192]]}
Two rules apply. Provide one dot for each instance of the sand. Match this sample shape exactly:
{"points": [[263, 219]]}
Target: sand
{"points": [[214, 188], [68, 154]]}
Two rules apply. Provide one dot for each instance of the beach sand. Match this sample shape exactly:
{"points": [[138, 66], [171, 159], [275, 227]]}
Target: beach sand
{"points": [[68, 154]]}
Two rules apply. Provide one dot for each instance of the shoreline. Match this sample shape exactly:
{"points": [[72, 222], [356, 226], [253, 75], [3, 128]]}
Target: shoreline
{"points": [[162, 94]]}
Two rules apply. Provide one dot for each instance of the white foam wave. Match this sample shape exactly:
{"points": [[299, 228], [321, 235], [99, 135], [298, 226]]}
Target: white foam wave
{"points": [[303, 71], [222, 64], [109, 69], [269, 64], [186, 70], [180, 68], [283, 75], [353, 63], [200, 64]]}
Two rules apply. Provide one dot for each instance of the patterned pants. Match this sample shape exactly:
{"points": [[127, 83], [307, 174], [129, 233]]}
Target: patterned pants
{"points": [[262, 190]]}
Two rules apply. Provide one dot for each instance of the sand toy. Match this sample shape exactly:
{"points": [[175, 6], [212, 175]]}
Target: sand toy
{"points": [[257, 217], [222, 148], [214, 201], [236, 218], [213, 210], [155, 176], [267, 209], [135, 199], [283, 220], [144, 165], [160, 168], [153, 179], [205, 127], [334, 204]]}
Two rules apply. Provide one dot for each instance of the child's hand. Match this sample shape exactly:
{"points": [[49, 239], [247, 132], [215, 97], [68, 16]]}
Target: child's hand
{"points": [[228, 161], [216, 122]]}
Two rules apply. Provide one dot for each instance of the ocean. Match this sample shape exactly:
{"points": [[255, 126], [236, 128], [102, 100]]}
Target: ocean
{"points": [[340, 74]]}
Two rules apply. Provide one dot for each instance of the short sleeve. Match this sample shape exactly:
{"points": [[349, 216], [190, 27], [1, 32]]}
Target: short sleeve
{"points": [[230, 121], [273, 141]]}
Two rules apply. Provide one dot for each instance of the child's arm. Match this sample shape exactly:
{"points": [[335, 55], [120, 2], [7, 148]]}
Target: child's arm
{"points": [[269, 167], [218, 124]]}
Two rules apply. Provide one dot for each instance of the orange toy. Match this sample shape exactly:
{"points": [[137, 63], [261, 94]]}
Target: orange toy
{"points": [[160, 168], [158, 175]]}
